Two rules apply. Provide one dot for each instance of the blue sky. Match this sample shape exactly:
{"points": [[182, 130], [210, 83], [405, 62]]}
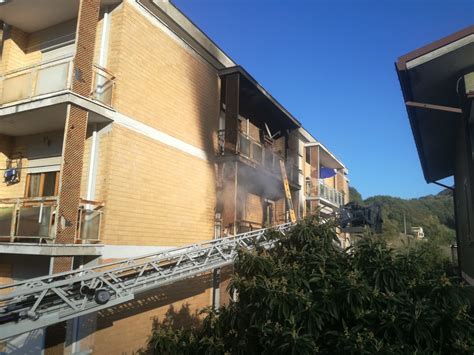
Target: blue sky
{"points": [[331, 64]]}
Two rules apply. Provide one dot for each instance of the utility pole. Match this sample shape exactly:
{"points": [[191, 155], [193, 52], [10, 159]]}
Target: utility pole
{"points": [[405, 223]]}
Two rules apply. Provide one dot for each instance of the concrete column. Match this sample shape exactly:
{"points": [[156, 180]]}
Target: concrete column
{"points": [[232, 85]]}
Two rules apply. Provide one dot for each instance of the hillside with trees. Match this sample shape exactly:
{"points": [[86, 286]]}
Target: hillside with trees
{"points": [[434, 213]]}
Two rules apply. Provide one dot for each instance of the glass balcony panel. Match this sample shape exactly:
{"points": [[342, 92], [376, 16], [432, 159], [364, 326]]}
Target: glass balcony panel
{"points": [[34, 221], [257, 152], [6, 219], [52, 78], [17, 87], [103, 89], [330, 194], [268, 159], [244, 146], [90, 225]]}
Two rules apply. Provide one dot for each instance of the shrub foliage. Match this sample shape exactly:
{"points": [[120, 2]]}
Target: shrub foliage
{"points": [[308, 296]]}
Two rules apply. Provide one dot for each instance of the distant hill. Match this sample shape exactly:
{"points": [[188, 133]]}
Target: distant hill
{"points": [[435, 213]]}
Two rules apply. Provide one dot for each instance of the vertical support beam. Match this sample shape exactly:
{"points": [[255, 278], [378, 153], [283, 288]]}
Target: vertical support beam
{"points": [[216, 289], [75, 131], [229, 196], [232, 100], [464, 186], [314, 162]]}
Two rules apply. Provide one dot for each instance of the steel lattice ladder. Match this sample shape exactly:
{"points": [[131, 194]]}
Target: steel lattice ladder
{"points": [[40, 302]]}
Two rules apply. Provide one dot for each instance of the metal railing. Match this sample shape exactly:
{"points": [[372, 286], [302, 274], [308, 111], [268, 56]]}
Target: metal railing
{"points": [[33, 219], [103, 85], [50, 77], [272, 161], [330, 194], [253, 150], [293, 173], [321, 190], [250, 148]]}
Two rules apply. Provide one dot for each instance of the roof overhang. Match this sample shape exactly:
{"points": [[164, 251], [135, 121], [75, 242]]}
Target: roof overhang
{"points": [[34, 15], [326, 158], [429, 78], [256, 102]]}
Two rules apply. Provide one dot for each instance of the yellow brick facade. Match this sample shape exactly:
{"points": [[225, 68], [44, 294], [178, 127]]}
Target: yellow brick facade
{"points": [[155, 194], [160, 83]]}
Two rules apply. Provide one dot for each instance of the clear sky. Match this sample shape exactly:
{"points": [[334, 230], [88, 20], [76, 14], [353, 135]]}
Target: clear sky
{"points": [[331, 64]]}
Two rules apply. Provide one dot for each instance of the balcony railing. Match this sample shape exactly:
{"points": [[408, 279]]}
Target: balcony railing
{"points": [[250, 148], [326, 193], [103, 86], [50, 77], [254, 151], [330, 194], [36, 80], [34, 220], [293, 173]]}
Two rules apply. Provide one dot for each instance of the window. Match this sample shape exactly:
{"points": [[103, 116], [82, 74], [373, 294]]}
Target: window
{"points": [[42, 184]]}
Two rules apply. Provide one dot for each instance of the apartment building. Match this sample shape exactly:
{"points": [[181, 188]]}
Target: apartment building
{"points": [[437, 83], [125, 130]]}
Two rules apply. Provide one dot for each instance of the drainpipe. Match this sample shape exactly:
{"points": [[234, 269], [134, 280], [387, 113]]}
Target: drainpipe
{"points": [[92, 167], [103, 55], [104, 41]]}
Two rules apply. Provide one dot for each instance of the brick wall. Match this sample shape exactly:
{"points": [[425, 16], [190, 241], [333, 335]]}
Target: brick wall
{"points": [[156, 195], [253, 208], [181, 96], [14, 46], [280, 208], [126, 328]]}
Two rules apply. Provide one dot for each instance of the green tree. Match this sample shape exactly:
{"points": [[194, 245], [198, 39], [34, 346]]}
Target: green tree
{"points": [[354, 195], [308, 296]]}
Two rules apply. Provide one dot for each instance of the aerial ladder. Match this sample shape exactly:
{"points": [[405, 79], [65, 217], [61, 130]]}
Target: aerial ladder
{"points": [[43, 301]]}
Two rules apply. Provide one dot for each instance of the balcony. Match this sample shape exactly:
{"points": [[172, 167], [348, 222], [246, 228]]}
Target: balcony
{"points": [[254, 151], [52, 77], [326, 194], [33, 220]]}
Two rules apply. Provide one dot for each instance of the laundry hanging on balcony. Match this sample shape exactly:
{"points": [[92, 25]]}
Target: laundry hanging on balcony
{"points": [[325, 173]]}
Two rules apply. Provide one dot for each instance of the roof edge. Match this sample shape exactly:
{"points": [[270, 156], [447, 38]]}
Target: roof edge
{"points": [[401, 63], [323, 147], [239, 69]]}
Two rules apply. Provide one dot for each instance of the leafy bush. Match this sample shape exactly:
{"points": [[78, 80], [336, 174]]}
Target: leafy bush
{"points": [[308, 296]]}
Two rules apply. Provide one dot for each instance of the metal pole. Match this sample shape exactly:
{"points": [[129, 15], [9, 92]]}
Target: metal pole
{"points": [[405, 224]]}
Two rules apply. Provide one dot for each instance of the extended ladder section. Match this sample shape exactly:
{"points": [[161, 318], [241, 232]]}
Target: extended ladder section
{"points": [[286, 187], [40, 302]]}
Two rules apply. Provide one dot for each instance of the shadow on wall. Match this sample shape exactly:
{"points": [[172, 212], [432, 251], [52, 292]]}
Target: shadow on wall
{"points": [[163, 296], [173, 320], [146, 307]]}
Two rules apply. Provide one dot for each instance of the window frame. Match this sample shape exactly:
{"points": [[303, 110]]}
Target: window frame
{"points": [[41, 184]]}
